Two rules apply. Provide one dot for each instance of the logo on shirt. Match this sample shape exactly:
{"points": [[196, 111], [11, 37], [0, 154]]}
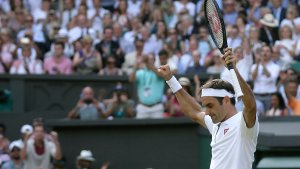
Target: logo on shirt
{"points": [[225, 130]]}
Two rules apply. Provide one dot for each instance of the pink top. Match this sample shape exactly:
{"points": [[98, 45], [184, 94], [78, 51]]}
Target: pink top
{"points": [[63, 66]]}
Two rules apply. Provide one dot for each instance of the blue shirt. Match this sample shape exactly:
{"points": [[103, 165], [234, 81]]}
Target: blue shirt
{"points": [[150, 87]]}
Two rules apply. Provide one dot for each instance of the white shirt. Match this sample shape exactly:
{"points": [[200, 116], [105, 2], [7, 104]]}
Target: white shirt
{"points": [[34, 160], [264, 84], [285, 56], [133, 8], [243, 65], [233, 144], [234, 42], [67, 17], [191, 7], [152, 45], [184, 62], [34, 66]]}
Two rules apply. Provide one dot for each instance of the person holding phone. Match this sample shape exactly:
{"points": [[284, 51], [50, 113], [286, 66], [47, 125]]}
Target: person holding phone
{"points": [[87, 108]]}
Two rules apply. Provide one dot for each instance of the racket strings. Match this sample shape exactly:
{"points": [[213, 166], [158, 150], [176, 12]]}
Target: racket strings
{"points": [[214, 23]]}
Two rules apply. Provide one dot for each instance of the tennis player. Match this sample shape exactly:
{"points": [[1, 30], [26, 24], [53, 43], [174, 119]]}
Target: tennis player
{"points": [[234, 134]]}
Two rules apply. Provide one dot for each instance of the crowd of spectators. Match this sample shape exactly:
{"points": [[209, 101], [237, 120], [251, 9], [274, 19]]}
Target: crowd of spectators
{"points": [[85, 37]]}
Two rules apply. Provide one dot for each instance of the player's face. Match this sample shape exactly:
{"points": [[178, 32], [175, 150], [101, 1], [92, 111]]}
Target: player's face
{"points": [[213, 108]]}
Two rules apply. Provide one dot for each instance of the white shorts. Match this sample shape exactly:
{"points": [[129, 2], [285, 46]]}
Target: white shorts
{"points": [[156, 111]]}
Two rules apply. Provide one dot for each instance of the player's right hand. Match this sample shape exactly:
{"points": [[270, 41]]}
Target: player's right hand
{"points": [[164, 71]]}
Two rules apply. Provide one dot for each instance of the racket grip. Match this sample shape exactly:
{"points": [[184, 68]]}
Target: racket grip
{"points": [[230, 66], [236, 84]]}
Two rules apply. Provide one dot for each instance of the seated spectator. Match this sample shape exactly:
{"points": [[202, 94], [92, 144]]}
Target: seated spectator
{"points": [[58, 63], [278, 107], [26, 64], [133, 57], [196, 68], [291, 87], [87, 108], [151, 43], [269, 29], [6, 60], [15, 161], [291, 16], [163, 59], [217, 66], [186, 60], [110, 68], [230, 12], [37, 150], [121, 14], [234, 39], [38, 36], [121, 106], [96, 14], [6, 101], [108, 47], [88, 60], [169, 14], [7, 42], [133, 8], [4, 141], [68, 13], [62, 36], [286, 45], [185, 6], [150, 89], [205, 44]]}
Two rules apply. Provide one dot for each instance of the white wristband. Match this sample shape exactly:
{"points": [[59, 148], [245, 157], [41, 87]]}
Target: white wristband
{"points": [[174, 84]]}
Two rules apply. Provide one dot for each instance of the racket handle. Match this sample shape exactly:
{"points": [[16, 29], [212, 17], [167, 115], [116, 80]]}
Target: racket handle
{"points": [[236, 84], [229, 66]]}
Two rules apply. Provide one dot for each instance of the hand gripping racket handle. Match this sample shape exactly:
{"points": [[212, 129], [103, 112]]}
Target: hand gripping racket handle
{"points": [[236, 84]]}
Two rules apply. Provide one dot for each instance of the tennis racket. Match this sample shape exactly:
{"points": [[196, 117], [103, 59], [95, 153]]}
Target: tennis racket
{"points": [[216, 28]]}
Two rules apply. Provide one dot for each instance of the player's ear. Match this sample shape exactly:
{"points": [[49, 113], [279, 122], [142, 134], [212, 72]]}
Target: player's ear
{"points": [[226, 100]]}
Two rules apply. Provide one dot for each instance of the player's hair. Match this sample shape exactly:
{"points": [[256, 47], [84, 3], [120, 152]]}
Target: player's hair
{"points": [[220, 84]]}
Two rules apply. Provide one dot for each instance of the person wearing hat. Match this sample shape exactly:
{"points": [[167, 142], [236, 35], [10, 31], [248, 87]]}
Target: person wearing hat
{"points": [[85, 160], [172, 105], [15, 161], [269, 30]]}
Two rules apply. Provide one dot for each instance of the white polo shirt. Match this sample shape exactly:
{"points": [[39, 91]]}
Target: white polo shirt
{"points": [[233, 144]]}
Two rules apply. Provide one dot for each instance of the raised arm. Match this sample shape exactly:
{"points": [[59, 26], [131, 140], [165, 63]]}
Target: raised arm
{"points": [[248, 98], [188, 104]]}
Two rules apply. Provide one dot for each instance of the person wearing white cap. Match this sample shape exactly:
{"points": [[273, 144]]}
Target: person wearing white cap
{"points": [[85, 159], [269, 30], [234, 134], [15, 161]]}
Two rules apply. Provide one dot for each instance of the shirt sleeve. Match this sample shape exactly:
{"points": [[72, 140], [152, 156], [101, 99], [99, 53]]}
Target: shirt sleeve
{"points": [[292, 103], [208, 123], [52, 148]]}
